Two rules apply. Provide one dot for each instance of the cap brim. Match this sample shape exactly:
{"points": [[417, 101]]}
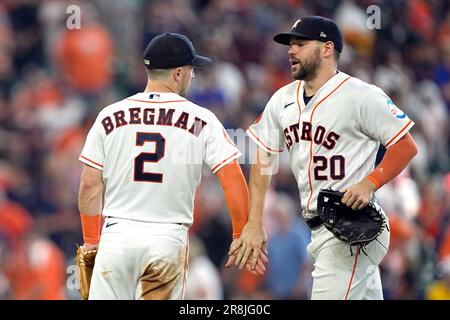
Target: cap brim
{"points": [[285, 38], [200, 61]]}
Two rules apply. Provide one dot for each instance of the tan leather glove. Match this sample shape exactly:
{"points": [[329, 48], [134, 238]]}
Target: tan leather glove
{"points": [[84, 262]]}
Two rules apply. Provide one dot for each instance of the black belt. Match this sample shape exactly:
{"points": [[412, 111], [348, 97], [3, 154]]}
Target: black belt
{"points": [[314, 223]]}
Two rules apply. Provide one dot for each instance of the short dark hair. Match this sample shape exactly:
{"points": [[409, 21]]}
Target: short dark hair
{"points": [[155, 74]]}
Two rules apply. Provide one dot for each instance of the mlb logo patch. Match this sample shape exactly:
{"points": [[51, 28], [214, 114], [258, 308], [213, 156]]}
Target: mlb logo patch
{"points": [[154, 96]]}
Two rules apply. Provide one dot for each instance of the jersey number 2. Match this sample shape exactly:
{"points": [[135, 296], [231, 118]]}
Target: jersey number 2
{"points": [[143, 157]]}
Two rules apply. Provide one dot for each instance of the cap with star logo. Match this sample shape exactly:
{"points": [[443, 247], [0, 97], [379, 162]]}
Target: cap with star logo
{"points": [[313, 28]]}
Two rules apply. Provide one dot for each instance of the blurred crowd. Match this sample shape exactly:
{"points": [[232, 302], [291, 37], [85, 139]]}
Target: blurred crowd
{"points": [[55, 76]]}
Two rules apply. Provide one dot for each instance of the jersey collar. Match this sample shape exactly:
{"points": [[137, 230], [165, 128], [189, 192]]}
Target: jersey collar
{"points": [[158, 96], [324, 90]]}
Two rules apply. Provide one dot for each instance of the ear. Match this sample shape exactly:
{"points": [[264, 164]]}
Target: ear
{"points": [[328, 49], [177, 74]]}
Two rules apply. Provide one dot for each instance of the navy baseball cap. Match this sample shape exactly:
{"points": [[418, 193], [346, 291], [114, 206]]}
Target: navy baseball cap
{"points": [[172, 50], [313, 28]]}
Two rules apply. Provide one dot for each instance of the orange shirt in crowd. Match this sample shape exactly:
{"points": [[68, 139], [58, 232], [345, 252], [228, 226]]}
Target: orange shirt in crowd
{"points": [[444, 251], [34, 266], [36, 271], [85, 57]]}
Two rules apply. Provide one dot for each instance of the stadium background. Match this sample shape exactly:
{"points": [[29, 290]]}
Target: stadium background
{"points": [[53, 82]]}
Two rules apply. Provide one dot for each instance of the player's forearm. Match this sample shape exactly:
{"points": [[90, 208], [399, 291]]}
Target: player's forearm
{"points": [[236, 195], [90, 200], [258, 184], [90, 205], [394, 161]]}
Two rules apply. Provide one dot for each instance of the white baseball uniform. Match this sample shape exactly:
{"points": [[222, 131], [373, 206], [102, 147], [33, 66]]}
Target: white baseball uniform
{"points": [[333, 142], [150, 148]]}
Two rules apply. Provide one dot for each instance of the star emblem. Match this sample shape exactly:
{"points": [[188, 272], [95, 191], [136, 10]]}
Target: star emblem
{"points": [[296, 23]]}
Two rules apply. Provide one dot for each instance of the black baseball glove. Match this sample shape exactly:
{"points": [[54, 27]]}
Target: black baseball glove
{"points": [[355, 227]]}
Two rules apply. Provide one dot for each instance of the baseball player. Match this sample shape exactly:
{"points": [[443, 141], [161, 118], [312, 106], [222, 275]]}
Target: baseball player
{"points": [[142, 164], [332, 125]]}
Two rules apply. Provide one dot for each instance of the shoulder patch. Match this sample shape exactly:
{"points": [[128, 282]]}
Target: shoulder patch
{"points": [[396, 112]]}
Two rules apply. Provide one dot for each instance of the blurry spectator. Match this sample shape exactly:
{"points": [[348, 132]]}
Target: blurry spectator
{"points": [[4, 282], [420, 16], [85, 55], [444, 244], [395, 266], [440, 289], [444, 251], [400, 195], [353, 22], [432, 208], [287, 276], [392, 76], [433, 117], [33, 265], [211, 223]]}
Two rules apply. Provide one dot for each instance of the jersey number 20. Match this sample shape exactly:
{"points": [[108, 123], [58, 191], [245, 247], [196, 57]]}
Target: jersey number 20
{"points": [[143, 157], [337, 167]]}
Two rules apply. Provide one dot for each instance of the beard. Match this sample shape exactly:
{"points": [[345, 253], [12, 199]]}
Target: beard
{"points": [[307, 68]]}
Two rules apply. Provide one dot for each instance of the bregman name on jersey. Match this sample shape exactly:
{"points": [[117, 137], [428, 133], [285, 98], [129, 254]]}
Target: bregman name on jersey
{"points": [[153, 116]]}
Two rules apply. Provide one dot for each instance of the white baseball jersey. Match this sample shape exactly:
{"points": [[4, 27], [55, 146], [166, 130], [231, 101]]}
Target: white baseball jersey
{"points": [[334, 139], [151, 148]]}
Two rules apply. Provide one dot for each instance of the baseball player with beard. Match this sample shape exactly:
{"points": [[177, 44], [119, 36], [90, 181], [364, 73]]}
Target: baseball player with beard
{"points": [[332, 125], [143, 160]]}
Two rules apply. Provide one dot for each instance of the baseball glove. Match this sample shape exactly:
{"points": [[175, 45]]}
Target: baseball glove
{"points": [[355, 227], [84, 262]]}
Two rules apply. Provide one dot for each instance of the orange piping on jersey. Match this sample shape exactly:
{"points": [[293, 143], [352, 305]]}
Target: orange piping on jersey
{"points": [[353, 273], [225, 134], [298, 104], [216, 166], [172, 101], [186, 255], [398, 133], [259, 118], [311, 142], [268, 148], [98, 164]]}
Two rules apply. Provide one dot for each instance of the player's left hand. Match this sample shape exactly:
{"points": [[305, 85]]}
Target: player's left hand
{"points": [[359, 195]]}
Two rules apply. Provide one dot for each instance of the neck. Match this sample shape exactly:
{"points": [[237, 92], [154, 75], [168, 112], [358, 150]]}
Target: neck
{"points": [[312, 86], [158, 86]]}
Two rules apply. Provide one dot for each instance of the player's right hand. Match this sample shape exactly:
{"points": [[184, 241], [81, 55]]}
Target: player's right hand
{"points": [[86, 247], [260, 268], [359, 195], [250, 244]]}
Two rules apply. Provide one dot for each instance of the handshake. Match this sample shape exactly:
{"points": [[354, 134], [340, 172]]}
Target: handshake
{"points": [[249, 250]]}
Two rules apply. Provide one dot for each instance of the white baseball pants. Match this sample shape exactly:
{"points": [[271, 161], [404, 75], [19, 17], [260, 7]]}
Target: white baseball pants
{"points": [[341, 274], [140, 261]]}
